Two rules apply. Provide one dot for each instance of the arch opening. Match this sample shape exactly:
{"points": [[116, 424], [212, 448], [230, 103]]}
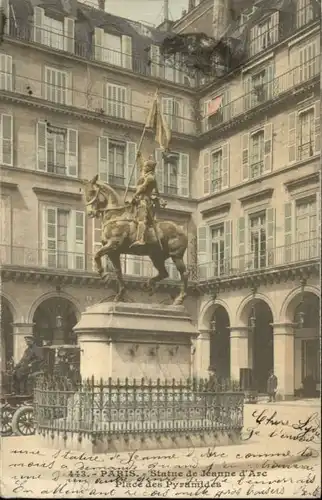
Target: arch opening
{"points": [[6, 333], [54, 320], [260, 344], [220, 343], [307, 369]]}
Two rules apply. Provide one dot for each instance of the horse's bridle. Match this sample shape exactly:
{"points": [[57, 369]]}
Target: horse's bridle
{"points": [[93, 200]]}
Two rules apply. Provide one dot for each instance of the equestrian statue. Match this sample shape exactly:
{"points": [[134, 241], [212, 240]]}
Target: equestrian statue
{"points": [[132, 228]]}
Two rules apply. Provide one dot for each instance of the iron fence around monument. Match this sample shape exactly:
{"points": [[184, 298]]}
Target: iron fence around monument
{"points": [[138, 407]]}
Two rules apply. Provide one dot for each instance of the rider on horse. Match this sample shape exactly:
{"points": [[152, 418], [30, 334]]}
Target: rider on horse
{"points": [[143, 198], [31, 362]]}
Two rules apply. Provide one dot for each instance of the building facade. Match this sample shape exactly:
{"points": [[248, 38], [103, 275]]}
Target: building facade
{"points": [[76, 84]]}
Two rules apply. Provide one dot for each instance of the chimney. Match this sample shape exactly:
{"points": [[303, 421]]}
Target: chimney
{"points": [[101, 4], [192, 4], [221, 18]]}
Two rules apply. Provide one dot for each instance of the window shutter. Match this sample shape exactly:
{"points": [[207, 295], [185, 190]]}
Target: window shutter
{"points": [[288, 228], [49, 236], [69, 35], [247, 93], [317, 120], [5, 72], [183, 174], [7, 139], [205, 116], [252, 40], [42, 146], [99, 43], [228, 245], [39, 15], [292, 119], [203, 251], [103, 158], [275, 27], [241, 242], [225, 105], [269, 77], [270, 235], [155, 61], [205, 154], [167, 110], [225, 165], [159, 170], [72, 151], [130, 162], [79, 239], [245, 157], [68, 85], [126, 52], [268, 147], [318, 213]]}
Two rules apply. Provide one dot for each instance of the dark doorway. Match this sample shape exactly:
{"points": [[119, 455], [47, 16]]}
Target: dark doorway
{"points": [[262, 345], [54, 321], [6, 333], [220, 344]]}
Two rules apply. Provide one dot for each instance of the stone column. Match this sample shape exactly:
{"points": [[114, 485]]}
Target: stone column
{"points": [[238, 350], [284, 337], [203, 354], [20, 330]]}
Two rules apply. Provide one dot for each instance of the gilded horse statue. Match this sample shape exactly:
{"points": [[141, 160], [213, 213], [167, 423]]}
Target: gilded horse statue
{"points": [[164, 239]]}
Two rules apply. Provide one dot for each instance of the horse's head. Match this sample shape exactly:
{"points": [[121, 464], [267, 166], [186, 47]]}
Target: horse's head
{"points": [[97, 195]]}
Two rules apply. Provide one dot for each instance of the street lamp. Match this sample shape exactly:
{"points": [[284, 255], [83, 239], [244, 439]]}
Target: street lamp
{"points": [[252, 319], [300, 317]]}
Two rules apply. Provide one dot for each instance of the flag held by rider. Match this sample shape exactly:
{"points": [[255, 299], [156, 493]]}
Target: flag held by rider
{"points": [[157, 122]]}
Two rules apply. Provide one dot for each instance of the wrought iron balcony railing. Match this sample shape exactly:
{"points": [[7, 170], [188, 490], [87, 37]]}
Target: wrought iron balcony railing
{"points": [[272, 90], [15, 85], [136, 63], [171, 190], [300, 252], [57, 261]]}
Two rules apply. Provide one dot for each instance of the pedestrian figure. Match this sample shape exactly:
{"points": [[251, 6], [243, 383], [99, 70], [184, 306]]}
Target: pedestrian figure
{"points": [[271, 386]]}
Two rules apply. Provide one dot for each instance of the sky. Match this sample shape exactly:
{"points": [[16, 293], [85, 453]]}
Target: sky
{"points": [[148, 11]]}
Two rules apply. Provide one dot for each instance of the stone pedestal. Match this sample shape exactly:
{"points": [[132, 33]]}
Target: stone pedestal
{"points": [[131, 340]]}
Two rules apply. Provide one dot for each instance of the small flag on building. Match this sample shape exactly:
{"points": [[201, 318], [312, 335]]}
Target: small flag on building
{"points": [[214, 105], [157, 122]]}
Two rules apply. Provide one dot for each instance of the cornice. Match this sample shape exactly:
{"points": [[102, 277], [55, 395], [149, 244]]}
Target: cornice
{"points": [[258, 195], [56, 192], [293, 184], [12, 186], [208, 212]]}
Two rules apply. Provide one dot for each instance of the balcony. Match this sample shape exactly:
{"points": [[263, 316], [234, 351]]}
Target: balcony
{"points": [[273, 91], [18, 87], [139, 64], [301, 253]]}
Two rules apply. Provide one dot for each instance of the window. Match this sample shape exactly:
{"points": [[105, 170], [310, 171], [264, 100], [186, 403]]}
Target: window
{"points": [[264, 34], [258, 87], [53, 33], [171, 109], [5, 7], [63, 238], [304, 133], [214, 249], [218, 249], [6, 140], [304, 12], [216, 111], [306, 229], [172, 69], [173, 177], [59, 35], [113, 49], [5, 72], [256, 154], [216, 171], [116, 161], [57, 150], [115, 100], [257, 238], [57, 86]]}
